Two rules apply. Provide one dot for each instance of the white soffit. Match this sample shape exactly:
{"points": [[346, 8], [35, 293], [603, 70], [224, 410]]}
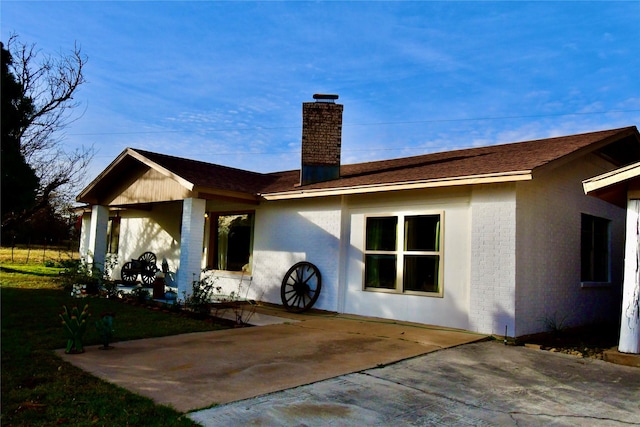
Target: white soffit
{"points": [[611, 178]]}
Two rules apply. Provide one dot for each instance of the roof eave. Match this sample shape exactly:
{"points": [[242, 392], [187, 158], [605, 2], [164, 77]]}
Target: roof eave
{"points": [[408, 185], [84, 195], [614, 177], [208, 193]]}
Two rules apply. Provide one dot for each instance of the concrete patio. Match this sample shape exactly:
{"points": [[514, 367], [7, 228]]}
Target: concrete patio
{"points": [[198, 370]]}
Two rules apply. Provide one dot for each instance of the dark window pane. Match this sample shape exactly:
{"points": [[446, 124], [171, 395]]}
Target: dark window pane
{"points": [[233, 243], [381, 233], [594, 249], [422, 233], [380, 271], [113, 235], [421, 273]]}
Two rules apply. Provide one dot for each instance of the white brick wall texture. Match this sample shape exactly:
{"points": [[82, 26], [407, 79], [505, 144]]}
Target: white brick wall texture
{"points": [[548, 267], [512, 251], [493, 262], [452, 309], [191, 237], [289, 232]]}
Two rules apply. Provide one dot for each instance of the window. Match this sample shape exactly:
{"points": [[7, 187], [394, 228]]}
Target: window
{"points": [[403, 253], [113, 235], [595, 249], [231, 242]]}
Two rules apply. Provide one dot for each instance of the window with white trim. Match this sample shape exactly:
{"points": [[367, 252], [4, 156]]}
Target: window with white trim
{"points": [[595, 249], [403, 253]]}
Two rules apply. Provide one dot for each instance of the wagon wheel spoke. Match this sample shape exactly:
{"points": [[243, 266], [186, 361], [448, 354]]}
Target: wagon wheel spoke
{"points": [[148, 276], [149, 258], [127, 273], [313, 273], [301, 287]]}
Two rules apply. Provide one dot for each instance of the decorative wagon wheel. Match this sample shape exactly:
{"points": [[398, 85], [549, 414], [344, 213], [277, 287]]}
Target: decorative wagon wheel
{"points": [[301, 287], [148, 274], [128, 273], [148, 258], [148, 267]]}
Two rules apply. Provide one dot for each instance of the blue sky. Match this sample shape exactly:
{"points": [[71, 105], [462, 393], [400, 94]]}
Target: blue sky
{"points": [[224, 82]]}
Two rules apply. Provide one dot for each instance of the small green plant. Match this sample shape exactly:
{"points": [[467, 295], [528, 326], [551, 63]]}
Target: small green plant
{"points": [[74, 323], [81, 272], [110, 264], [105, 328], [110, 290], [554, 324], [199, 301], [140, 294]]}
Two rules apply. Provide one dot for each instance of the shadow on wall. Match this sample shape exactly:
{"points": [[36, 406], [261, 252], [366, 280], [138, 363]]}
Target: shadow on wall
{"points": [[157, 231], [314, 236], [285, 237], [503, 323]]}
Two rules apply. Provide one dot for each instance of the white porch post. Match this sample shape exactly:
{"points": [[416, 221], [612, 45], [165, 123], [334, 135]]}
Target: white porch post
{"points": [[97, 249], [630, 325], [85, 231], [191, 238]]}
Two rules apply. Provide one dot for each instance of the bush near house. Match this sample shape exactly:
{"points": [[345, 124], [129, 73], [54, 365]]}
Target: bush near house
{"points": [[38, 388]]}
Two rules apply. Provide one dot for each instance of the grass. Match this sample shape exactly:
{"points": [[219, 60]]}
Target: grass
{"points": [[40, 389], [35, 255]]}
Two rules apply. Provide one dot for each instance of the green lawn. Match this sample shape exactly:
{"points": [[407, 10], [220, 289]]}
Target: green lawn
{"points": [[38, 388]]}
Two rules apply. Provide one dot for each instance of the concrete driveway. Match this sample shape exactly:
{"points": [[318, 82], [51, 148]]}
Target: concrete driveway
{"points": [[194, 371], [480, 384]]}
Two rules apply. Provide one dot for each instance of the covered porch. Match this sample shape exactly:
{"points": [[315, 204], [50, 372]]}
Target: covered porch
{"points": [[142, 204], [622, 188]]}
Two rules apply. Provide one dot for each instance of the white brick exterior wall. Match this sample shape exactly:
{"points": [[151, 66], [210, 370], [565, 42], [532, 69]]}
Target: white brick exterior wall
{"points": [[449, 310], [511, 251], [548, 244], [289, 232], [493, 259], [191, 238]]}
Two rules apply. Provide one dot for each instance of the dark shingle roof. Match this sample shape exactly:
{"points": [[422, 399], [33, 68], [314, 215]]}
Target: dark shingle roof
{"points": [[210, 175], [495, 159]]}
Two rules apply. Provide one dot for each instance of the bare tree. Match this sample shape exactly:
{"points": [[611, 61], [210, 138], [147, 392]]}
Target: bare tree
{"points": [[50, 82]]}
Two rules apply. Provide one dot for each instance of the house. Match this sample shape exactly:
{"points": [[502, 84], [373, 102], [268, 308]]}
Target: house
{"points": [[498, 239], [622, 188]]}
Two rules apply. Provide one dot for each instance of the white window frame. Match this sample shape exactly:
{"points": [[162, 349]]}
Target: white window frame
{"points": [[401, 252]]}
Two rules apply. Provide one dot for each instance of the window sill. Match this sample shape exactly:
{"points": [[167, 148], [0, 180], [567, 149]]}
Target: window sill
{"points": [[225, 274], [407, 293], [595, 284]]}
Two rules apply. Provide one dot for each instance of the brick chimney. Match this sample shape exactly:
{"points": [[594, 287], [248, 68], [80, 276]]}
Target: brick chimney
{"points": [[321, 139]]}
